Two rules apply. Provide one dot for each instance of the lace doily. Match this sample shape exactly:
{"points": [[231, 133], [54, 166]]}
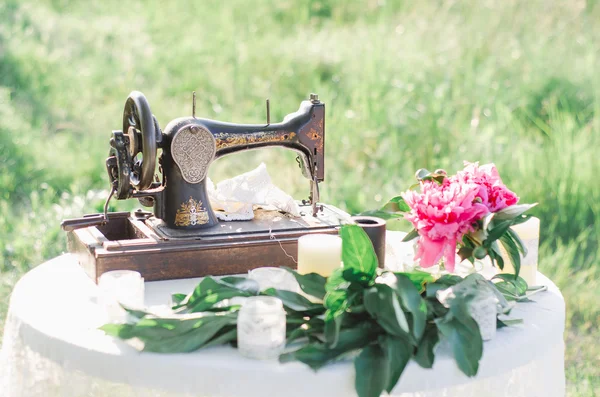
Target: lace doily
{"points": [[234, 199]]}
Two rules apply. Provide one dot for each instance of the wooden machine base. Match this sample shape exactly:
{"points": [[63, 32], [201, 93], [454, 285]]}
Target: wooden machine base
{"points": [[127, 242]]}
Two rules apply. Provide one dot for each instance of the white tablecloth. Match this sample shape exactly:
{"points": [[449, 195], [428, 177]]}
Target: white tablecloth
{"points": [[52, 348]]}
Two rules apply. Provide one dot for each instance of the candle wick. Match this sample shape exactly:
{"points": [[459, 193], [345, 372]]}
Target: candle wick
{"points": [[272, 237]]}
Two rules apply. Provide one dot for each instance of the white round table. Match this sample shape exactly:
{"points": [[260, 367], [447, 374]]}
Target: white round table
{"points": [[52, 348]]}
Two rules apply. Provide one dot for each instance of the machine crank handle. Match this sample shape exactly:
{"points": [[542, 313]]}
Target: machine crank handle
{"points": [[68, 225]]}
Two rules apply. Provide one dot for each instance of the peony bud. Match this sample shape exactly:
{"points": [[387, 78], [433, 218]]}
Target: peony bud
{"points": [[480, 252]]}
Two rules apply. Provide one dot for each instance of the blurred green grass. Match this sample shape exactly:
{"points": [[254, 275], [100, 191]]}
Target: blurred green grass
{"points": [[407, 85]]}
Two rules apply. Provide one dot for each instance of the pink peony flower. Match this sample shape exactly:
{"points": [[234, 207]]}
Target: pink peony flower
{"points": [[442, 214], [493, 193]]}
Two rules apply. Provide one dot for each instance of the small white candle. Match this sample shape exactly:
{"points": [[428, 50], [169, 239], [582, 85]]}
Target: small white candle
{"points": [[529, 232], [484, 311], [120, 286], [319, 253], [261, 328], [274, 277]]}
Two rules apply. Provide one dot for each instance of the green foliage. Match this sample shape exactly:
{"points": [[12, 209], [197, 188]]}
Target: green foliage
{"points": [[358, 255], [400, 95], [211, 291], [380, 319], [311, 283], [177, 335]]}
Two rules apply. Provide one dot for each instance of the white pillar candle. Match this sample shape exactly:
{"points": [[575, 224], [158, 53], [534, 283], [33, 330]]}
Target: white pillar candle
{"points": [[529, 232], [319, 253]]}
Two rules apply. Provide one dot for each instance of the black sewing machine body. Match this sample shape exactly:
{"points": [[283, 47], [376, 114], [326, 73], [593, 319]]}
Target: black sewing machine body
{"points": [[182, 237], [189, 145]]}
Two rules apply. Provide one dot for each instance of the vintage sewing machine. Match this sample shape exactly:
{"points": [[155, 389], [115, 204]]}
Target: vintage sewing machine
{"points": [[182, 237]]}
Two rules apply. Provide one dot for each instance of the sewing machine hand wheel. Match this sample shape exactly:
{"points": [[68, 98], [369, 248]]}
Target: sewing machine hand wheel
{"points": [[140, 126]]}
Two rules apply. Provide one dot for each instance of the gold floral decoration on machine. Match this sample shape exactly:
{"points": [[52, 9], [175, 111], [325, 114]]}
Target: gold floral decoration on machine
{"points": [[191, 213], [224, 140]]}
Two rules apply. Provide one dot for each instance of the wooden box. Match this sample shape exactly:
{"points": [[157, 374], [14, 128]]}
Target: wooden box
{"points": [[127, 242]]}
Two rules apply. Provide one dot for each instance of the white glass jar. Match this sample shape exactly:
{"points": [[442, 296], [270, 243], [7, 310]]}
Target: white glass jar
{"points": [[120, 287], [484, 311], [261, 328], [274, 277]]}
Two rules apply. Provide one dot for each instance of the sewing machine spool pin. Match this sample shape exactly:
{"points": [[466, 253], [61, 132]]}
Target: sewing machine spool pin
{"points": [[268, 112], [194, 104]]}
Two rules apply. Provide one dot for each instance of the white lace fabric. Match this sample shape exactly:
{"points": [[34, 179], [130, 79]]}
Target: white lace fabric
{"points": [[52, 348], [234, 199]]}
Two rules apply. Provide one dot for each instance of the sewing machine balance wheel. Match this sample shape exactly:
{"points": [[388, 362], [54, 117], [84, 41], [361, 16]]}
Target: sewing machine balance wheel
{"points": [[143, 133]]}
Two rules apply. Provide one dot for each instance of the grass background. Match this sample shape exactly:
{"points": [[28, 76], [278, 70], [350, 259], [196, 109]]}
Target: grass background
{"points": [[407, 85]]}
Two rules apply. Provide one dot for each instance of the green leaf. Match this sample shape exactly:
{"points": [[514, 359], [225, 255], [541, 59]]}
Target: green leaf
{"points": [[136, 313], [465, 252], [294, 301], [223, 337], [413, 234], [383, 214], [497, 230], [208, 301], [243, 284], [353, 276], [177, 298], [424, 355], [518, 241], [383, 305], [422, 173], [519, 282], [211, 291], [357, 251], [510, 288], [157, 328], [520, 219], [121, 331], [508, 323], [447, 280], [418, 278], [462, 332], [333, 325], [371, 371], [312, 283], [513, 211], [397, 353], [313, 326], [412, 301], [513, 252], [205, 287], [496, 255], [396, 204], [466, 344], [336, 300], [316, 355], [336, 281], [190, 341], [393, 209]]}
